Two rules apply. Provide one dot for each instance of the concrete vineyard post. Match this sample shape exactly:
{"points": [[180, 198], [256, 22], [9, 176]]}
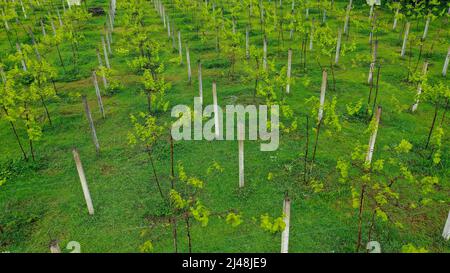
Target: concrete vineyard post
{"points": [[247, 44], [97, 93], [311, 36], [84, 185], [216, 110], [373, 137], [447, 60], [446, 232], [2, 74], [374, 60], [265, 53], [394, 25], [405, 39], [427, 25], [91, 124], [23, 9], [54, 247], [323, 90], [105, 52], [188, 60], [241, 137], [24, 65], [419, 87], [286, 219], [338, 47], [200, 82], [180, 52], [288, 85]]}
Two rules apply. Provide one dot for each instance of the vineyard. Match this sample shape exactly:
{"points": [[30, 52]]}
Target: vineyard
{"points": [[89, 161]]}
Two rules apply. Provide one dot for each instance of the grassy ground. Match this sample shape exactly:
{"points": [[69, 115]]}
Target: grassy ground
{"points": [[43, 201]]}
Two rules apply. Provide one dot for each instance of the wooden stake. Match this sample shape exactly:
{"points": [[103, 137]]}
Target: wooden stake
{"points": [[84, 185], [91, 124], [373, 137], [241, 137], [286, 219]]}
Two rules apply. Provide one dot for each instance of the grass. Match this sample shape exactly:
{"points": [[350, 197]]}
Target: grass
{"points": [[43, 201]]}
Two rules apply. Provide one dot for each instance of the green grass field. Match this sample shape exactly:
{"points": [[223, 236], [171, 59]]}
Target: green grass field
{"points": [[42, 200]]}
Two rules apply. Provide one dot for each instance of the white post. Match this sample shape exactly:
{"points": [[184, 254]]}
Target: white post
{"points": [[44, 33], [91, 124], [338, 47], [286, 219], [24, 65], [241, 137], [427, 25], [347, 17], [108, 43], [84, 185], [168, 27], [54, 247], [405, 39], [247, 44], [2, 74], [446, 232], [372, 64], [311, 36], [5, 21], [288, 85], [200, 82], [99, 57], [105, 52], [419, 87], [265, 53], [216, 111], [373, 137], [323, 90], [394, 26], [180, 52], [447, 60], [97, 92], [23, 10], [188, 60]]}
